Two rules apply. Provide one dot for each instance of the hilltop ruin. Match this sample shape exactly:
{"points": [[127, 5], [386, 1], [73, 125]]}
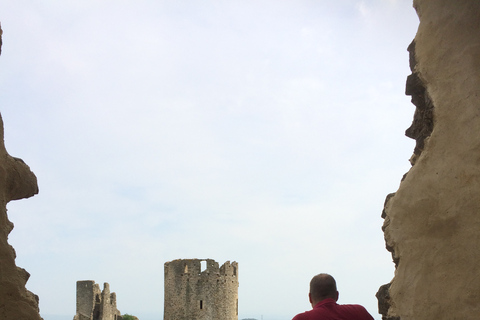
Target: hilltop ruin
{"points": [[93, 304], [207, 292]]}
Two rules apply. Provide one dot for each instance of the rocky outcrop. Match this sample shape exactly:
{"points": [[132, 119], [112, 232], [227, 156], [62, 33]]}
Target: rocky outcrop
{"points": [[432, 222], [16, 182]]}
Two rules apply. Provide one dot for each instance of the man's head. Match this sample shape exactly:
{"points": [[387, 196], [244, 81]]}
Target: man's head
{"points": [[322, 286]]}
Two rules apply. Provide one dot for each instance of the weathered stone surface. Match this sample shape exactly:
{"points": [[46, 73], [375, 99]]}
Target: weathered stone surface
{"points": [[93, 304], [432, 222], [193, 293], [422, 124], [16, 182]]}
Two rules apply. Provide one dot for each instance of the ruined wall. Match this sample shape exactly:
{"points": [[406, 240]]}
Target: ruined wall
{"points": [[16, 182], [193, 293], [93, 304], [432, 223]]}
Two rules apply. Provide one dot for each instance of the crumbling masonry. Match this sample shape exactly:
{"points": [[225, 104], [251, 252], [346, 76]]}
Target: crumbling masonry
{"points": [[16, 182], [93, 304], [199, 289], [432, 221]]}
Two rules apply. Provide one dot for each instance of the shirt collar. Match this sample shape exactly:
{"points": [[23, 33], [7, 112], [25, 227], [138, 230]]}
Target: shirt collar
{"points": [[325, 301]]}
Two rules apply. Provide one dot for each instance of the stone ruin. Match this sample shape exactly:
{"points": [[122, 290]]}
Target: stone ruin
{"points": [[432, 223], [93, 304], [207, 292], [16, 182]]}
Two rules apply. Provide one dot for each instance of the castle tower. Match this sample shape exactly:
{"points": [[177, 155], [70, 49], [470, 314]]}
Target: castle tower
{"points": [[93, 304], [197, 289]]}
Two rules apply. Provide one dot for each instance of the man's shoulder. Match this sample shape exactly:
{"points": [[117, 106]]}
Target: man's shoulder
{"points": [[351, 306], [301, 316], [355, 310], [335, 311]]}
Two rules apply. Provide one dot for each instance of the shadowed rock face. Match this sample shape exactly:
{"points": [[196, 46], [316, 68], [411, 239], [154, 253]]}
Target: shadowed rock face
{"points": [[16, 182], [432, 223]]}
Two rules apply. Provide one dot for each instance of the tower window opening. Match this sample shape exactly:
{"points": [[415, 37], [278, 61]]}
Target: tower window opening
{"points": [[203, 266], [186, 269], [201, 304]]}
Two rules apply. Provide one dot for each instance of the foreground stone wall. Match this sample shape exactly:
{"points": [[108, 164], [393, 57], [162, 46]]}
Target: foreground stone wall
{"points": [[432, 223], [16, 182], [93, 304], [193, 293]]}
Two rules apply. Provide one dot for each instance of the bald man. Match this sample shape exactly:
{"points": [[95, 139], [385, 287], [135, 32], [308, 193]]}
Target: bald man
{"points": [[323, 297]]}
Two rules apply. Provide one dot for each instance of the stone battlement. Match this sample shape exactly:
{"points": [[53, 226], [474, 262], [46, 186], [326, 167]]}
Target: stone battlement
{"points": [[198, 267]]}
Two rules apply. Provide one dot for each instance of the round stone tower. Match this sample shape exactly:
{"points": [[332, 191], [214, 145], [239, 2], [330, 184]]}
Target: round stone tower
{"points": [[199, 289]]}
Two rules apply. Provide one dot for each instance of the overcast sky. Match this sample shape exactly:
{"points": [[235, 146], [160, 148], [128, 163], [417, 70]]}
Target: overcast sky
{"points": [[266, 132]]}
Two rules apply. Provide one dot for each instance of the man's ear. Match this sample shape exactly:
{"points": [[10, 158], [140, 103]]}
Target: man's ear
{"points": [[336, 299], [310, 297]]}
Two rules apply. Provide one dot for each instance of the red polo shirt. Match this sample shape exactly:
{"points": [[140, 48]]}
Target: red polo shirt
{"points": [[328, 309]]}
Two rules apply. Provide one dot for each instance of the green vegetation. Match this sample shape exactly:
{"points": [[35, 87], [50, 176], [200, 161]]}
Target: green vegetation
{"points": [[127, 316]]}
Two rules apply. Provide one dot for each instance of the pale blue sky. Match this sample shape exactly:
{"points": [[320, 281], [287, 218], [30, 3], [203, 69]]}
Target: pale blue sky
{"points": [[262, 132]]}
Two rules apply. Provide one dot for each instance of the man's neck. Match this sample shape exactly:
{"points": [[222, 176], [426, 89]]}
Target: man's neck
{"points": [[314, 303]]}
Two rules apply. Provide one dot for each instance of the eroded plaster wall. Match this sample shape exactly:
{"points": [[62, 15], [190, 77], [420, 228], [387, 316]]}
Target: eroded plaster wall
{"points": [[16, 182], [432, 223]]}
